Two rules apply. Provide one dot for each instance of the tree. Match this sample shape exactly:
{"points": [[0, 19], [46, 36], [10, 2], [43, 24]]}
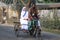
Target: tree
{"points": [[53, 1], [48, 1]]}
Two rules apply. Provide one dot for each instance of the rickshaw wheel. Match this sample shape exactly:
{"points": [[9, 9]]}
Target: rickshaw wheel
{"points": [[16, 29], [31, 32], [36, 33]]}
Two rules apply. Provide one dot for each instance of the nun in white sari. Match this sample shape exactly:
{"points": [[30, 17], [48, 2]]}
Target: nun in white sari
{"points": [[24, 19]]}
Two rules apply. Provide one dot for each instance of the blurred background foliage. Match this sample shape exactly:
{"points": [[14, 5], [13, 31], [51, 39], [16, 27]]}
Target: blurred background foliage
{"points": [[51, 23]]}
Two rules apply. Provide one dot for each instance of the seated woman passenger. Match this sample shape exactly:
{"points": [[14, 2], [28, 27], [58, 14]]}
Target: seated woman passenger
{"points": [[24, 16]]}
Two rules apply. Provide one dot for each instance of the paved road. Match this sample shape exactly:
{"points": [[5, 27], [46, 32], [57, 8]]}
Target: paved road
{"points": [[7, 33]]}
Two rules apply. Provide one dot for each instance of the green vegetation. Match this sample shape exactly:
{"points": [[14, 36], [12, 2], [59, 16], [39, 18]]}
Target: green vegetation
{"points": [[8, 1], [38, 1], [51, 24], [48, 1], [51, 30]]}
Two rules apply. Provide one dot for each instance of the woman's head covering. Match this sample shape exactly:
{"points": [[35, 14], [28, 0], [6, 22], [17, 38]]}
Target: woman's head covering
{"points": [[24, 8]]}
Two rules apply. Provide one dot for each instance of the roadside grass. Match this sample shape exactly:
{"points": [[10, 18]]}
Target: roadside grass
{"points": [[51, 30]]}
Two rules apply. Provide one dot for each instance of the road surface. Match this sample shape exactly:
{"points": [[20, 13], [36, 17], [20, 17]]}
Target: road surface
{"points": [[7, 33]]}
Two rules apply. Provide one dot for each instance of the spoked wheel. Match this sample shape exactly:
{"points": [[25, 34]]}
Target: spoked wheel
{"points": [[37, 33], [16, 29], [31, 32], [17, 33]]}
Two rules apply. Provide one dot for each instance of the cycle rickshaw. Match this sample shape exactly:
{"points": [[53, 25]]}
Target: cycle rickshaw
{"points": [[33, 28]]}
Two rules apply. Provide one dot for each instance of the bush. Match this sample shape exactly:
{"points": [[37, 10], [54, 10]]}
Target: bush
{"points": [[51, 24]]}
